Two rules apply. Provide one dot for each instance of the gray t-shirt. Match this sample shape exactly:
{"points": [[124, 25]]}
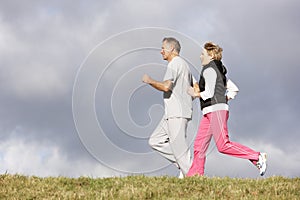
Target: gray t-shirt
{"points": [[178, 103]]}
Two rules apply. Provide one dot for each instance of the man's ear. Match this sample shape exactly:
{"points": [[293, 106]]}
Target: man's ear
{"points": [[172, 48], [174, 52]]}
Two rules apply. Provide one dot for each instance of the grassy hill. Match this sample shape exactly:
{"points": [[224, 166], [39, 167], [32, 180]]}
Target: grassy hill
{"points": [[141, 187]]}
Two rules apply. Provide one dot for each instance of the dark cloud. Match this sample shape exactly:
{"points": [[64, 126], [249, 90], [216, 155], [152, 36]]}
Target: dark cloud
{"points": [[42, 46]]}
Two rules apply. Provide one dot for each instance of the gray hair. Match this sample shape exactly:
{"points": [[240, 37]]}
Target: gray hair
{"points": [[172, 41]]}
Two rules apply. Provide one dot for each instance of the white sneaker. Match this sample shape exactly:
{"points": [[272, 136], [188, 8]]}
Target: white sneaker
{"points": [[262, 163], [181, 176]]}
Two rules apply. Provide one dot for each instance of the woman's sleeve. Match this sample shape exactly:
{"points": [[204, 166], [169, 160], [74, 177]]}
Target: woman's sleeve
{"points": [[210, 77], [232, 89]]}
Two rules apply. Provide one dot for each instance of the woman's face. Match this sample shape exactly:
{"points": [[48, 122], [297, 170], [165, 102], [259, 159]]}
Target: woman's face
{"points": [[205, 58]]}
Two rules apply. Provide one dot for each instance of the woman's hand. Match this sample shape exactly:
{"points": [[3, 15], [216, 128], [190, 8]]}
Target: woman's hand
{"points": [[193, 92]]}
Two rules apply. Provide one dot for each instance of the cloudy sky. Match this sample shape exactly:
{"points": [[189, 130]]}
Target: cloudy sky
{"points": [[72, 101]]}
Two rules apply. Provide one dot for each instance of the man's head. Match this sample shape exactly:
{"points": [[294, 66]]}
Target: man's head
{"points": [[170, 48]]}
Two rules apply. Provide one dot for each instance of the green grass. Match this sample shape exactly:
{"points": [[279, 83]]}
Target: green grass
{"points": [[141, 187]]}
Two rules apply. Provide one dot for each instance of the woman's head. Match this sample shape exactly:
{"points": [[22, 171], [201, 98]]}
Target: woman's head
{"points": [[215, 51], [210, 52]]}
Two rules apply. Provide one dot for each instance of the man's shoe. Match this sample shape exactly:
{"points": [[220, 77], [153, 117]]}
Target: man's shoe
{"points": [[181, 176]]}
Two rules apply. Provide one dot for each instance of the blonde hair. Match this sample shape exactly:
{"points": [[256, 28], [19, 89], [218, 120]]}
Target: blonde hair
{"points": [[213, 50]]}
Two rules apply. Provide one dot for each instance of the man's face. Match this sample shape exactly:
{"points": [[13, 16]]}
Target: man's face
{"points": [[166, 50]]}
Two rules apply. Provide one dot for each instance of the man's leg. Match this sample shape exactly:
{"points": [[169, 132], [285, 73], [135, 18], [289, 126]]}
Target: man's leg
{"points": [[159, 140], [177, 135]]}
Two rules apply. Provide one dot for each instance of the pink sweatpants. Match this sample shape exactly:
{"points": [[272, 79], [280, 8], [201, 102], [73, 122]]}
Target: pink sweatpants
{"points": [[215, 124]]}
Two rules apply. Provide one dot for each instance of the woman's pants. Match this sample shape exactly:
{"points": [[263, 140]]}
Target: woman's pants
{"points": [[214, 125]]}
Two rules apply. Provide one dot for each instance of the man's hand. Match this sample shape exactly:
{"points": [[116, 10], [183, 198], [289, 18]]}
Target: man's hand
{"points": [[146, 79]]}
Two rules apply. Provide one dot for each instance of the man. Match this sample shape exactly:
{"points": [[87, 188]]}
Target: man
{"points": [[169, 138]]}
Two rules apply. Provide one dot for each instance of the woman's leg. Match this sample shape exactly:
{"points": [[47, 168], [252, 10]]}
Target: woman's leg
{"points": [[218, 120], [201, 144]]}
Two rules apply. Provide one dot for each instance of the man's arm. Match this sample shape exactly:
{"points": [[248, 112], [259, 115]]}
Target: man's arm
{"points": [[164, 86]]}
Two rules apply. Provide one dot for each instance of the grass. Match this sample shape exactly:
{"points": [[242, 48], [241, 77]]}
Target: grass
{"points": [[142, 187]]}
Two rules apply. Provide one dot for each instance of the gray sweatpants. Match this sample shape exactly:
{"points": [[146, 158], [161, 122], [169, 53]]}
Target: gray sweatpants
{"points": [[169, 139]]}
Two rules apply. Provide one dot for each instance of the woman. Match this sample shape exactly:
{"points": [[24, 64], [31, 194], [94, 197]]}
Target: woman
{"points": [[213, 102]]}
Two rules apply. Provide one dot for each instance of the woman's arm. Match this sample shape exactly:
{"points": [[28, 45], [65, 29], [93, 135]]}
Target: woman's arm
{"points": [[232, 90], [210, 77]]}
